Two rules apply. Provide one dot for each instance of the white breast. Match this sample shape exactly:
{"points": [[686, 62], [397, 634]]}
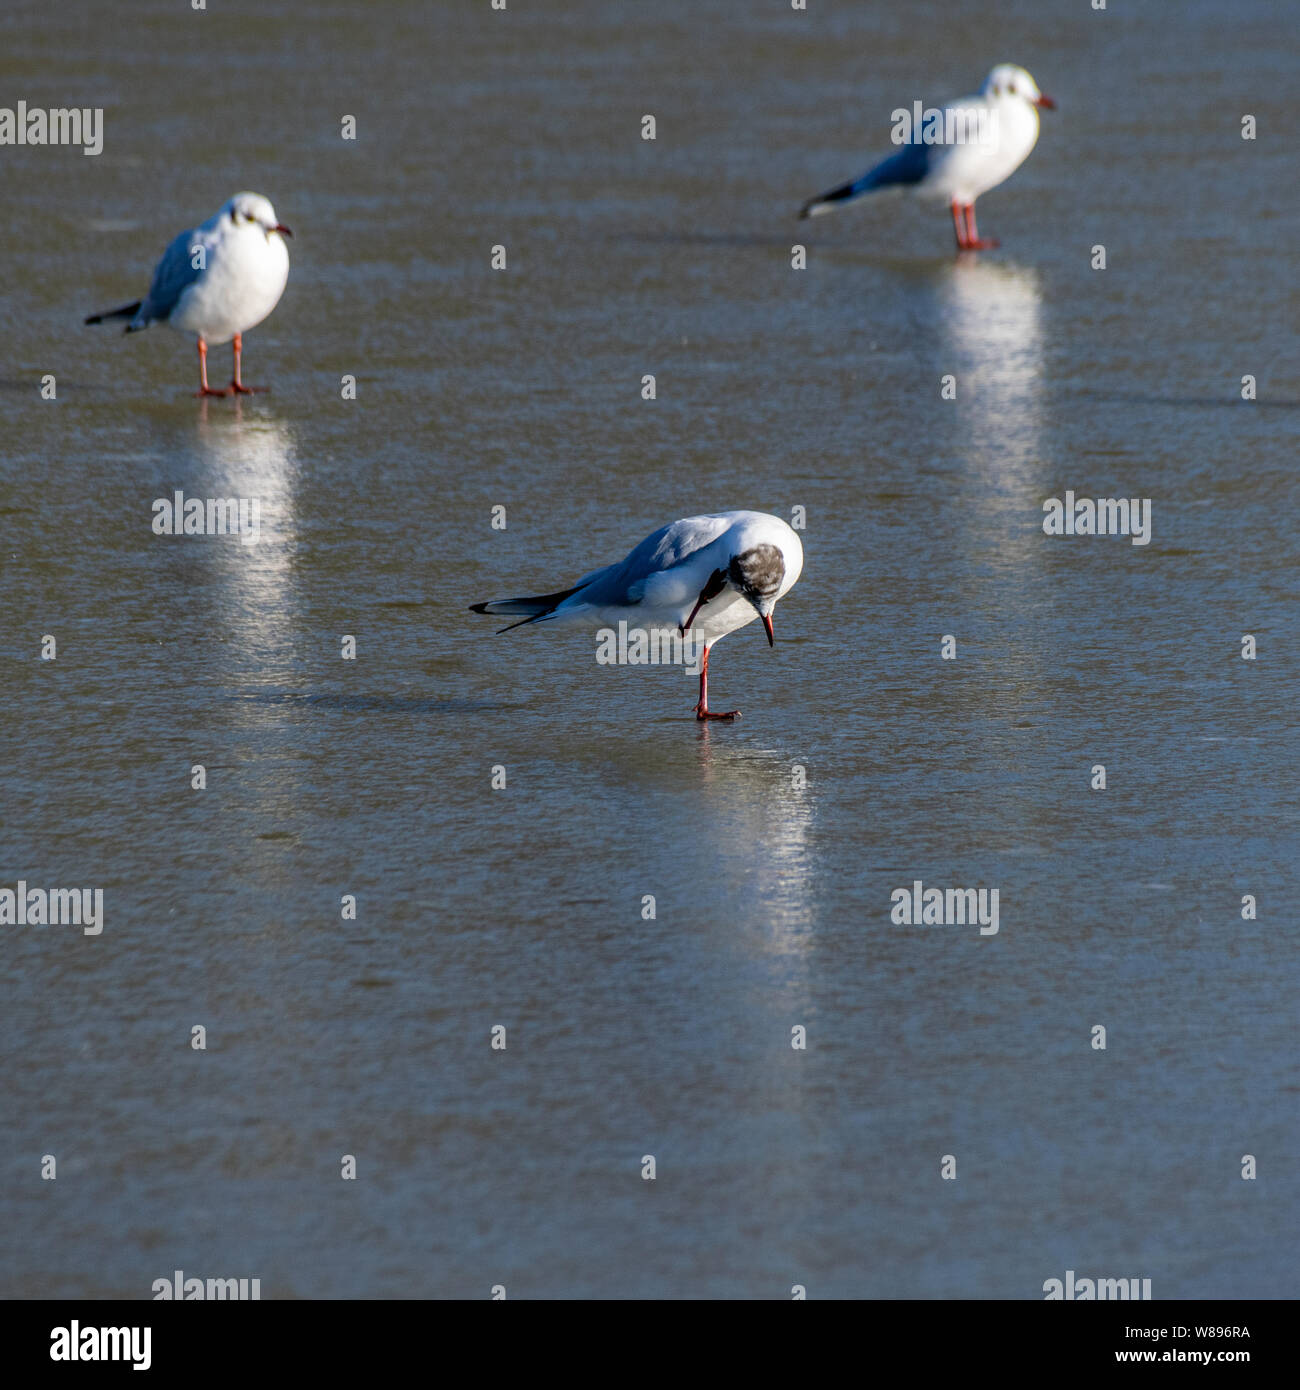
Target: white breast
{"points": [[965, 171], [246, 274]]}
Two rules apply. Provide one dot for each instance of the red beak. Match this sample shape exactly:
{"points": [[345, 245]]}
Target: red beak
{"points": [[1045, 100], [767, 623], [282, 229]]}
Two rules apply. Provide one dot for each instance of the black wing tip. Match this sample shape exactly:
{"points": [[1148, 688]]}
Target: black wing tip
{"points": [[127, 311], [827, 200], [485, 608]]}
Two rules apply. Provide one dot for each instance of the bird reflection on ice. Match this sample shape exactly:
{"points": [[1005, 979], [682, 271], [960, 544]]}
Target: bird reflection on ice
{"points": [[242, 454], [989, 331], [761, 809]]}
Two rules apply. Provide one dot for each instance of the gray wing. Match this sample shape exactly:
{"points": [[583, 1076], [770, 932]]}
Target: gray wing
{"points": [[910, 165], [174, 275], [669, 546], [621, 584]]}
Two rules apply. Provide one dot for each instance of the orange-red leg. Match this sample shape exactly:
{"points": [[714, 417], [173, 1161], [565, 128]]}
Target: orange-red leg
{"points": [[973, 239], [702, 710], [237, 384], [204, 388], [958, 226]]}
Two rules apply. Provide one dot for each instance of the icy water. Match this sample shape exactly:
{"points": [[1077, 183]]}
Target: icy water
{"points": [[523, 906]]}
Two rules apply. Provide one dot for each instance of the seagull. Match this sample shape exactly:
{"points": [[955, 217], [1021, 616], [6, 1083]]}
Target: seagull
{"points": [[217, 281], [1000, 126], [707, 575]]}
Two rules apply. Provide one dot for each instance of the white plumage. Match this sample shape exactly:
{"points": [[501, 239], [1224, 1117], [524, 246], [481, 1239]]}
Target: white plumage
{"points": [[707, 575], [217, 281], [996, 129]]}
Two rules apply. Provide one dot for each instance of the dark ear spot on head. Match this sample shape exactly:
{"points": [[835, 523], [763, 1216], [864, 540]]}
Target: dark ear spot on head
{"points": [[758, 572]]}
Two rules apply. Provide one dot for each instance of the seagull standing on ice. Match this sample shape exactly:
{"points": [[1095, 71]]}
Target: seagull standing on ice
{"points": [[217, 281], [706, 575], [1000, 126]]}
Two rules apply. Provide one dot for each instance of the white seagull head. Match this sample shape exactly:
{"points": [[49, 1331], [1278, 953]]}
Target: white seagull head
{"points": [[248, 211], [1009, 80], [765, 559], [757, 575]]}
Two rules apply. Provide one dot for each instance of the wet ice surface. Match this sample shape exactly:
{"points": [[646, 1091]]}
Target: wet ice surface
{"points": [[523, 907]]}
